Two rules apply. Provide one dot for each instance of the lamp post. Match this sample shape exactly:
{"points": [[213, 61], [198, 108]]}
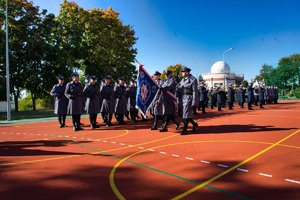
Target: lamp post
{"points": [[8, 105], [224, 60]]}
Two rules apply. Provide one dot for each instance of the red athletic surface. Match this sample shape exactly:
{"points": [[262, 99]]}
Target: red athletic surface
{"points": [[42, 161]]}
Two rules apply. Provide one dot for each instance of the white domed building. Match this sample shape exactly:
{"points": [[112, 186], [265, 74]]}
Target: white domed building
{"points": [[220, 74]]}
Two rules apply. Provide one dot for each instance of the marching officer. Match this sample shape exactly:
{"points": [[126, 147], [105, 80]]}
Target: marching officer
{"points": [[241, 96], [219, 98], [250, 95], [61, 101], [131, 95], [213, 97], [169, 107], [108, 104], [188, 86], [75, 95], [261, 96], [203, 97], [157, 103], [231, 97], [120, 101], [92, 106]]}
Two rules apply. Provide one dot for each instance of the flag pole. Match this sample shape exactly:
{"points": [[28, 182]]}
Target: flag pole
{"points": [[8, 104]]}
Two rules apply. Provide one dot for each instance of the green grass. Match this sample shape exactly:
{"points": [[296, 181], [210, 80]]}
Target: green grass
{"points": [[28, 115]]}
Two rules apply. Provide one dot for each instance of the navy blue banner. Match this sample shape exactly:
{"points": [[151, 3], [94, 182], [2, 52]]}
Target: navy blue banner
{"points": [[146, 90]]}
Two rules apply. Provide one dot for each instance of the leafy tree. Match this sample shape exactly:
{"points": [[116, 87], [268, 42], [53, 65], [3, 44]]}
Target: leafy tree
{"points": [[21, 15], [176, 71]]}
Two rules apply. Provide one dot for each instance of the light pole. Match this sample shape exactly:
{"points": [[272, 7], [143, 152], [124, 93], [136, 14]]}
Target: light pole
{"points": [[224, 61], [8, 105]]}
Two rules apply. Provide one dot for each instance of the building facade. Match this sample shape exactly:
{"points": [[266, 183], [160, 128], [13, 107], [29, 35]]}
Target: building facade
{"points": [[221, 75]]}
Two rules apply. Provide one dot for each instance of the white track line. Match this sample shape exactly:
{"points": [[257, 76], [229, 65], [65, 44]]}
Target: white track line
{"points": [[242, 170], [175, 155], [266, 175], [221, 165], [113, 142], [163, 152], [122, 144], [188, 158], [151, 150], [204, 161], [292, 181], [141, 147]]}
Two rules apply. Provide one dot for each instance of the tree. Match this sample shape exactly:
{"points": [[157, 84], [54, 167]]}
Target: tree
{"points": [[96, 41], [21, 15], [176, 71]]}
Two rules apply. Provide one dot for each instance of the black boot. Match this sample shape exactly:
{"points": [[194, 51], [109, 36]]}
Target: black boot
{"points": [[78, 123], [185, 127], [74, 123], [110, 115], [60, 121], [154, 127], [64, 121], [165, 124], [195, 125]]}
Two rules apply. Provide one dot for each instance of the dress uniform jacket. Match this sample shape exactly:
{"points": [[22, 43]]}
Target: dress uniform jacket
{"points": [[169, 106], [92, 93], [190, 96], [241, 95], [120, 99], [74, 92], [131, 95], [107, 95], [61, 101], [261, 94], [157, 103], [231, 95], [250, 93], [203, 93]]}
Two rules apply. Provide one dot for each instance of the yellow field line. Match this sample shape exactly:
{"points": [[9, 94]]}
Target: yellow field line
{"points": [[233, 168]]}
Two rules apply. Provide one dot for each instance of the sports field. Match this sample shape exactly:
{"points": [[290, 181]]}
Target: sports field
{"points": [[237, 154]]}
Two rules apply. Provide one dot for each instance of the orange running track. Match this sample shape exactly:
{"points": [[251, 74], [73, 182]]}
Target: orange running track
{"points": [[237, 154]]}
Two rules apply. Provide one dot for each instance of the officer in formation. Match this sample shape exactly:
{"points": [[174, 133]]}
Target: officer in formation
{"points": [[108, 103], [203, 94], [231, 97], [241, 96], [74, 92], [261, 96], [120, 101], [213, 97], [189, 90], [157, 103], [271, 95], [131, 103], [250, 95], [169, 106], [92, 106], [61, 101]]}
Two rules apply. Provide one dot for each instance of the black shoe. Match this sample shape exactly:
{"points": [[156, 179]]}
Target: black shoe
{"points": [[184, 132], [195, 127], [153, 128], [145, 119], [81, 124], [163, 130], [79, 128], [177, 125], [75, 129], [134, 121], [250, 109]]}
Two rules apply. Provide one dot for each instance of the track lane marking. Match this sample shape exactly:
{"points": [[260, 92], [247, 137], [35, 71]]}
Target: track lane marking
{"points": [[233, 168]]}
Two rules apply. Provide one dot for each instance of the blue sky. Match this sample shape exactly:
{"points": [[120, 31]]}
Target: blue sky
{"points": [[196, 32]]}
